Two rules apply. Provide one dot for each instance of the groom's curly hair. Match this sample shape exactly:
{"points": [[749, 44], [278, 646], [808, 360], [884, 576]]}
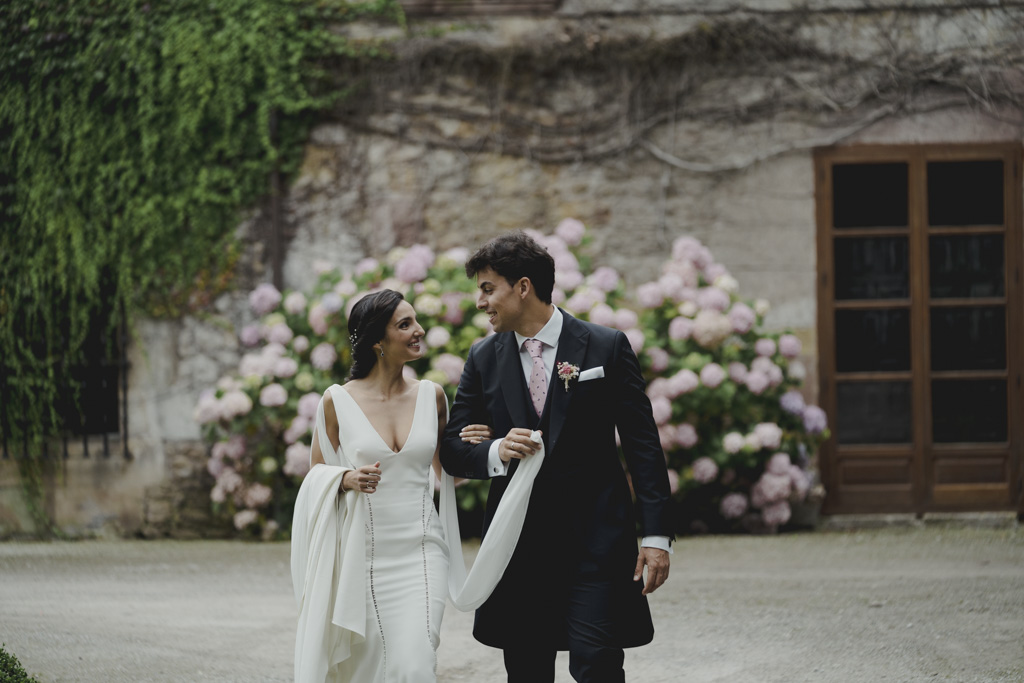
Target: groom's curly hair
{"points": [[513, 256]]}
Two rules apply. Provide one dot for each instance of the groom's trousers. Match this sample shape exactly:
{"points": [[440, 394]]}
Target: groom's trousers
{"points": [[593, 658]]}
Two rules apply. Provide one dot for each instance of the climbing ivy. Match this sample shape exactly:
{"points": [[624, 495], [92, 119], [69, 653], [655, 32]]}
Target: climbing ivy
{"points": [[131, 135]]}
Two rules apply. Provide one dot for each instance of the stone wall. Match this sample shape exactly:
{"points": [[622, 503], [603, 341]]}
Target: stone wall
{"points": [[646, 120]]}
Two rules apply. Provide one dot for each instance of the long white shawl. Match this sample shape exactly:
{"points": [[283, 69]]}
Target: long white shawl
{"points": [[328, 554]]}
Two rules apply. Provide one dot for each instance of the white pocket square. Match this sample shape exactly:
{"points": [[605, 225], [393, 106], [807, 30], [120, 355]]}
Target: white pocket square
{"points": [[592, 373]]}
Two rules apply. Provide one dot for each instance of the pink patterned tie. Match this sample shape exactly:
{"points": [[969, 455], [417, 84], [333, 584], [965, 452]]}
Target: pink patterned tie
{"points": [[538, 377]]}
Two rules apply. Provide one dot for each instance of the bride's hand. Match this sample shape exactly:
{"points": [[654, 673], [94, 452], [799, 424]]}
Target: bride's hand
{"points": [[363, 480], [474, 434]]}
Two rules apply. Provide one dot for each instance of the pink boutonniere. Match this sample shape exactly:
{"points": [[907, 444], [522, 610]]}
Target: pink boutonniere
{"points": [[567, 372]]}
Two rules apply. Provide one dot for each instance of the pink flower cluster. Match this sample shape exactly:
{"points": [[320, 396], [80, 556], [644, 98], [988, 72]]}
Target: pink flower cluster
{"points": [[232, 404], [295, 303], [270, 361], [711, 328], [323, 356], [273, 395], [781, 483], [705, 470], [264, 298], [298, 428], [451, 365], [415, 264], [296, 460]]}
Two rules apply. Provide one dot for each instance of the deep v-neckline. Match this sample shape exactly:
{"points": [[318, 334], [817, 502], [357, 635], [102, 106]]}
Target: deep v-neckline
{"points": [[412, 425]]}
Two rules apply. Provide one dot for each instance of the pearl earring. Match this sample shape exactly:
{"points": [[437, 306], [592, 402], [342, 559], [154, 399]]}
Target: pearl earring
{"points": [[382, 353]]}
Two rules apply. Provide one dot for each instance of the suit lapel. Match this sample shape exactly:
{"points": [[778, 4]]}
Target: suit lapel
{"points": [[572, 349], [510, 371]]}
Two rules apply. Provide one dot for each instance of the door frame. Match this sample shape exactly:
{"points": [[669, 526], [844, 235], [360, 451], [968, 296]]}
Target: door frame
{"points": [[919, 499]]}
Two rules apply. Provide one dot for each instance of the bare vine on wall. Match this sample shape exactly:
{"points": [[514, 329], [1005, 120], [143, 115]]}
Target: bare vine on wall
{"points": [[726, 94]]}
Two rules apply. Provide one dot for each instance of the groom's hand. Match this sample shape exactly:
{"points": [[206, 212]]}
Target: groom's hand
{"points": [[517, 444], [657, 568]]}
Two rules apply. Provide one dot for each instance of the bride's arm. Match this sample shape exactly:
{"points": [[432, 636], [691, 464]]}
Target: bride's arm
{"points": [[473, 434], [442, 422], [351, 478]]}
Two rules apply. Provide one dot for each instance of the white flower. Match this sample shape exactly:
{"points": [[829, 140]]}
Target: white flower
{"points": [[571, 231], [650, 295], [733, 442], [751, 443], [797, 371], [704, 470], [245, 518], [331, 302], [208, 409], [727, 283], [235, 403], [688, 308], [345, 287], [428, 304], [451, 365], [625, 319], [711, 328], [686, 435], [285, 367], [482, 321], [602, 314], [662, 410], [295, 303], [437, 337], [264, 298], [569, 279], [323, 356], [604, 278], [769, 434], [279, 333], [761, 306], [296, 459], [273, 395], [304, 381]]}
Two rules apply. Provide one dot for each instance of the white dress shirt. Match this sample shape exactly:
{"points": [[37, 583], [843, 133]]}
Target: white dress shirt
{"points": [[548, 336]]}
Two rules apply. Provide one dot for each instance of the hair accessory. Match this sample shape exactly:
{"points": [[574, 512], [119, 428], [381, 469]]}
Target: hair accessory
{"points": [[352, 339]]}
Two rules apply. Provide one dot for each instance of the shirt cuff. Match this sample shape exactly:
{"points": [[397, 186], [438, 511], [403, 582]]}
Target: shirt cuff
{"points": [[495, 466], [659, 542]]}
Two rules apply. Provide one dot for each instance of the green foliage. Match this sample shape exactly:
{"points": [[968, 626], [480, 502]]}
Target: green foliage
{"points": [[11, 670], [131, 135]]}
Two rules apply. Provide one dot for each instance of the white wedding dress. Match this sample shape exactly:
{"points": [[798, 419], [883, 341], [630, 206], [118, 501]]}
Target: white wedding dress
{"points": [[371, 572]]}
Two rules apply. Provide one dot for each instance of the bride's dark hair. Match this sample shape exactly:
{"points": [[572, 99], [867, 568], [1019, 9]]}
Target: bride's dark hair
{"points": [[367, 324]]}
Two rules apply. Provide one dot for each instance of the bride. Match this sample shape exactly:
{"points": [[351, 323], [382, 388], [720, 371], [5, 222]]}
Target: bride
{"points": [[370, 556]]}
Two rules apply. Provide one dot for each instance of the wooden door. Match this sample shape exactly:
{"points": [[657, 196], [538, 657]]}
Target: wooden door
{"points": [[920, 327]]}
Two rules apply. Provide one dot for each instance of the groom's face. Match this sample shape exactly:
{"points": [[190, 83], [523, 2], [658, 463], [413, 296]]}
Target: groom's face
{"points": [[499, 300]]}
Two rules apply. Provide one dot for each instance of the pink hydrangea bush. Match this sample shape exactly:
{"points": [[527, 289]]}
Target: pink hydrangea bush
{"points": [[726, 395], [259, 421]]}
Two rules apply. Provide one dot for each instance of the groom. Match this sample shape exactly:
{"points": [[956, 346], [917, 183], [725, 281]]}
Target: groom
{"points": [[575, 581]]}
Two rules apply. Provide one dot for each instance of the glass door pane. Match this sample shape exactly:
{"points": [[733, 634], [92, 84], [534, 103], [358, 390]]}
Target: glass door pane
{"points": [[969, 338], [965, 192], [966, 266], [872, 268], [869, 195], [969, 410], [875, 340], [873, 412]]}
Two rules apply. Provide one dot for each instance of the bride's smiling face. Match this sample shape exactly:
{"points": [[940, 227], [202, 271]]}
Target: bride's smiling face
{"points": [[403, 339]]}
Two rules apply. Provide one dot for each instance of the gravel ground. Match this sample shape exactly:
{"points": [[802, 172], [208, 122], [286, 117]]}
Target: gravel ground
{"points": [[905, 605]]}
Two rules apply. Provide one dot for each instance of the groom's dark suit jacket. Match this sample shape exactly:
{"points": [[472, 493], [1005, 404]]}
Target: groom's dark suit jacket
{"points": [[581, 523]]}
